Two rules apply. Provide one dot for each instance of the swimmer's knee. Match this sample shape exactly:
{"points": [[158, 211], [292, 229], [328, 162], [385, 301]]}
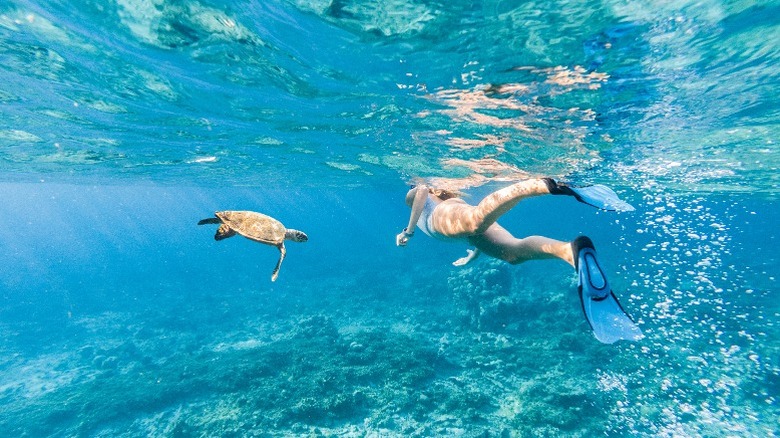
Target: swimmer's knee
{"points": [[512, 258], [515, 260]]}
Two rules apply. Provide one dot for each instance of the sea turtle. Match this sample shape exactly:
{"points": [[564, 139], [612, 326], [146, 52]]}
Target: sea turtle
{"points": [[257, 227]]}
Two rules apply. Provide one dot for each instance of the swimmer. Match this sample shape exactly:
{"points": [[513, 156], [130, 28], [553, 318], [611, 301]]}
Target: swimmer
{"points": [[441, 214]]}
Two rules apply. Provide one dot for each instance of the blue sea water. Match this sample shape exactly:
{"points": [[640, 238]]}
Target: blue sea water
{"points": [[124, 122]]}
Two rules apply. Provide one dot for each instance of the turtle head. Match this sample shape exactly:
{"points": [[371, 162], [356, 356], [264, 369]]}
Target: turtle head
{"points": [[296, 236]]}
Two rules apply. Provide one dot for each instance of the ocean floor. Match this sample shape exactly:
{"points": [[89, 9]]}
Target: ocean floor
{"points": [[452, 361], [486, 353]]}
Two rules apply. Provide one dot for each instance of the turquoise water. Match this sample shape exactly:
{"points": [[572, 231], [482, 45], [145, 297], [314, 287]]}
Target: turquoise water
{"points": [[124, 122]]}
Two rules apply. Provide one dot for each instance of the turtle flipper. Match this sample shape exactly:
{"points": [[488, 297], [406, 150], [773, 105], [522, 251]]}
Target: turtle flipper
{"points": [[223, 232], [211, 220], [282, 253]]}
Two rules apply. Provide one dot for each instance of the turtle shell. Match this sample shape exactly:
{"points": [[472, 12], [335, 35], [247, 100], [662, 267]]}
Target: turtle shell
{"points": [[254, 226]]}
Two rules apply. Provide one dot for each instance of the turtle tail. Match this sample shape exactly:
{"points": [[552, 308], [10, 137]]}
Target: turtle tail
{"points": [[296, 236]]}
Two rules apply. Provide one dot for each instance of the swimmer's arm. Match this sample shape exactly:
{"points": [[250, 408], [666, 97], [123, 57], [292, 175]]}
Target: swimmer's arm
{"points": [[417, 207], [472, 254]]}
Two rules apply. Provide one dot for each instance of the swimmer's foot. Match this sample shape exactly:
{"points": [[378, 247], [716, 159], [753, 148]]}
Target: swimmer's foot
{"points": [[599, 196], [592, 280], [606, 317]]}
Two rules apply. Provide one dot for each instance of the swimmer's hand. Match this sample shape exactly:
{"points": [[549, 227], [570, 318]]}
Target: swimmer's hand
{"points": [[463, 261], [403, 238]]}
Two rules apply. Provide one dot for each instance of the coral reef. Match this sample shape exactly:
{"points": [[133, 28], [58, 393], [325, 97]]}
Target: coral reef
{"points": [[482, 295], [493, 352]]}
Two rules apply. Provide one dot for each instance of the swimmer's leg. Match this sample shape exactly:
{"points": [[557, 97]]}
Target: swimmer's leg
{"points": [[501, 201], [497, 242], [455, 218]]}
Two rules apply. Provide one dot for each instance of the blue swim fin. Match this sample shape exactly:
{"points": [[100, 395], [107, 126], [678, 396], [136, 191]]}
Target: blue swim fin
{"points": [[610, 323], [599, 196], [602, 197]]}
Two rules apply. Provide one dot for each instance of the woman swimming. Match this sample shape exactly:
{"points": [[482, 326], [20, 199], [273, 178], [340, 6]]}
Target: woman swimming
{"points": [[443, 215]]}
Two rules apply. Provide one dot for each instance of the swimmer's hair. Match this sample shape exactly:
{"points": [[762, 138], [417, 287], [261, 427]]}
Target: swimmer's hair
{"points": [[443, 194]]}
